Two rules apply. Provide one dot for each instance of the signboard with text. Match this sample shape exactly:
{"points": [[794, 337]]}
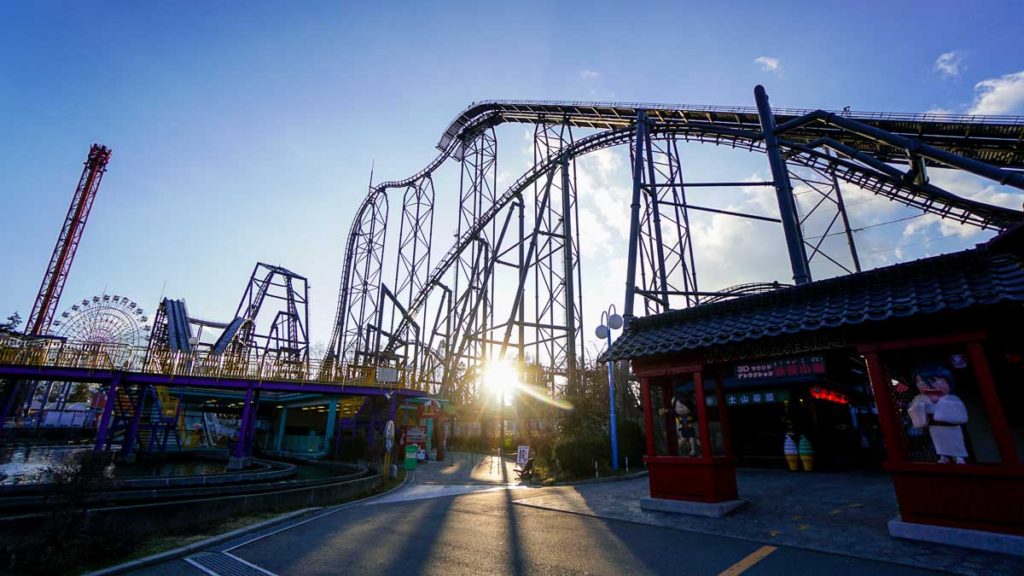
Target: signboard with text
{"points": [[523, 456], [758, 397], [416, 435], [777, 368]]}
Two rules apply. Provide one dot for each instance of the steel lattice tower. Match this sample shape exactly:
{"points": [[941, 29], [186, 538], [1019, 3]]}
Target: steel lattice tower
{"points": [[67, 243]]}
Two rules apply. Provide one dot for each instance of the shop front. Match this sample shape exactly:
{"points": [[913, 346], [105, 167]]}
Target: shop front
{"points": [[918, 365], [823, 399]]}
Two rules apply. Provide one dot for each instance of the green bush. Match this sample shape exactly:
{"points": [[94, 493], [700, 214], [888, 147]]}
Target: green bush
{"points": [[632, 443], [541, 446], [576, 456]]}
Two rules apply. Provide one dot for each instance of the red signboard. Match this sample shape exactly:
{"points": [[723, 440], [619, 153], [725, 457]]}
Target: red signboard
{"points": [[819, 393]]}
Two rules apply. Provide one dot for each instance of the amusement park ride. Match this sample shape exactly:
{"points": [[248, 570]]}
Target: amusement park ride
{"points": [[437, 317]]}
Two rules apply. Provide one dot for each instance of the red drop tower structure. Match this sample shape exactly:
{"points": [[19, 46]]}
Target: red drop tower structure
{"points": [[64, 253]]}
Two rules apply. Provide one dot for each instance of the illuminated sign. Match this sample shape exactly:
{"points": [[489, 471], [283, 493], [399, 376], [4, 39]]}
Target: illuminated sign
{"points": [[827, 395], [758, 397], [781, 368]]}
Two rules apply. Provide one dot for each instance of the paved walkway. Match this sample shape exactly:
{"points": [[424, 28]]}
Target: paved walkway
{"points": [[459, 518], [837, 513], [463, 468]]}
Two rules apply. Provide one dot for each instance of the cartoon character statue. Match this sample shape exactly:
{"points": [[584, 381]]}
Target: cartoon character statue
{"points": [[942, 412], [686, 432]]}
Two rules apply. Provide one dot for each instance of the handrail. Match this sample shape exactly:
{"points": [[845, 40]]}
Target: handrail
{"points": [[49, 353]]}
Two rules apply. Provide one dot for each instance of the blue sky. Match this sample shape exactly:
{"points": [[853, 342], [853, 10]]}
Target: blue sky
{"points": [[246, 133]]}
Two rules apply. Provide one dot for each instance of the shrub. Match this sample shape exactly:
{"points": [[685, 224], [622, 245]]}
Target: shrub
{"points": [[542, 446], [632, 443], [576, 456]]}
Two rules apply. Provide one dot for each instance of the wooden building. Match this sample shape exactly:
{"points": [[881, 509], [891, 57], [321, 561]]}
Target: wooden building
{"points": [[935, 345]]}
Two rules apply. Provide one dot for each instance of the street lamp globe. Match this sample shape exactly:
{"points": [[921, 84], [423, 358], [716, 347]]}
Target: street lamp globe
{"points": [[614, 321], [610, 320]]}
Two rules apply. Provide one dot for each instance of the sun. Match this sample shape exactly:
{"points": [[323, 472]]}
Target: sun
{"points": [[501, 378]]}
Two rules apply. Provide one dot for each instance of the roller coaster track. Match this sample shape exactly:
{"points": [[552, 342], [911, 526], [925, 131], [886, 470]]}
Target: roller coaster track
{"points": [[855, 147], [996, 140]]}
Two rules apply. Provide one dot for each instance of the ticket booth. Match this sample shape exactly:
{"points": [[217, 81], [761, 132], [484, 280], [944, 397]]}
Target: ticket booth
{"points": [[950, 409], [941, 344], [689, 454]]}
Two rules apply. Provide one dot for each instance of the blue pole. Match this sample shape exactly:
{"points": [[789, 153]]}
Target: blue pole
{"points": [[611, 399]]}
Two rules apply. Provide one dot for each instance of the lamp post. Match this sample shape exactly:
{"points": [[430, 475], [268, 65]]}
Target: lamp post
{"points": [[611, 321]]}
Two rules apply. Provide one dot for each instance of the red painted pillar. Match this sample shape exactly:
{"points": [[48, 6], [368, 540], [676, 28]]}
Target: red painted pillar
{"points": [[1000, 429], [887, 416], [645, 396]]}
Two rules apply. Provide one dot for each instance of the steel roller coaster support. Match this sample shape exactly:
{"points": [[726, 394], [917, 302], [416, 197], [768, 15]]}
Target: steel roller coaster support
{"points": [[441, 315]]}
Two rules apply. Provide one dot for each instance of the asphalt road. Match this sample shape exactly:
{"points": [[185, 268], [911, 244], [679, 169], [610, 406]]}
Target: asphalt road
{"points": [[461, 519]]}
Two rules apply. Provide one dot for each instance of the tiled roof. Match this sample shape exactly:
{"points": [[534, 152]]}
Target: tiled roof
{"points": [[955, 281]]}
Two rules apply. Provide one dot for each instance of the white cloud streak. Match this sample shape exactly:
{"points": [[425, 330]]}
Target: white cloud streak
{"points": [[1003, 95], [768, 63], [589, 74], [950, 64]]}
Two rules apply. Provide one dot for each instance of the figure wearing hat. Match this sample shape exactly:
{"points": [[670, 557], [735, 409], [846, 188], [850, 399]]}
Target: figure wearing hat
{"points": [[686, 432], [942, 412]]}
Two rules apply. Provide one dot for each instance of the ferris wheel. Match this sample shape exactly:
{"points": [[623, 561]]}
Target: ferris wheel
{"points": [[106, 319]]}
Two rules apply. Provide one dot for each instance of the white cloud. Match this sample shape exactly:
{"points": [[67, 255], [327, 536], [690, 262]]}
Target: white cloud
{"points": [[966, 186], [589, 74], [938, 110], [950, 64], [976, 188], [594, 235], [768, 63], [604, 185], [1002, 95]]}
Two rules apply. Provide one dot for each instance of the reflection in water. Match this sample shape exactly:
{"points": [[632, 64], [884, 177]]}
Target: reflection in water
{"points": [[30, 464]]}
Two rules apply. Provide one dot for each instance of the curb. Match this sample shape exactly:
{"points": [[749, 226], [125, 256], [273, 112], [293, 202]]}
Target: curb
{"points": [[618, 478], [225, 537]]}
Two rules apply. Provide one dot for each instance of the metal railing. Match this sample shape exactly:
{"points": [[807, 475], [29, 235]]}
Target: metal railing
{"points": [[50, 353]]}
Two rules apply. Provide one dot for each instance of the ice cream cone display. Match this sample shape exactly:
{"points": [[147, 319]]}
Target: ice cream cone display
{"points": [[789, 448], [806, 452]]}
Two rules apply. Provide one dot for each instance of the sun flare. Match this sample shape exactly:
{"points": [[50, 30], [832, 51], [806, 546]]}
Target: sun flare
{"points": [[501, 378]]}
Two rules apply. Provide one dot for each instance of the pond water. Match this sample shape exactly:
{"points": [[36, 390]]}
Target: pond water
{"points": [[30, 464]]}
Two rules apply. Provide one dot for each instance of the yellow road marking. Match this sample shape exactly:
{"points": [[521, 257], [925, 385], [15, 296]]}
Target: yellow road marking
{"points": [[745, 564]]}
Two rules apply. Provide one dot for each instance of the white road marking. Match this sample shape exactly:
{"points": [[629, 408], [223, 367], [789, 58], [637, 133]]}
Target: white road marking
{"points": [[336, 509], [200, 567], [249, 564]]}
